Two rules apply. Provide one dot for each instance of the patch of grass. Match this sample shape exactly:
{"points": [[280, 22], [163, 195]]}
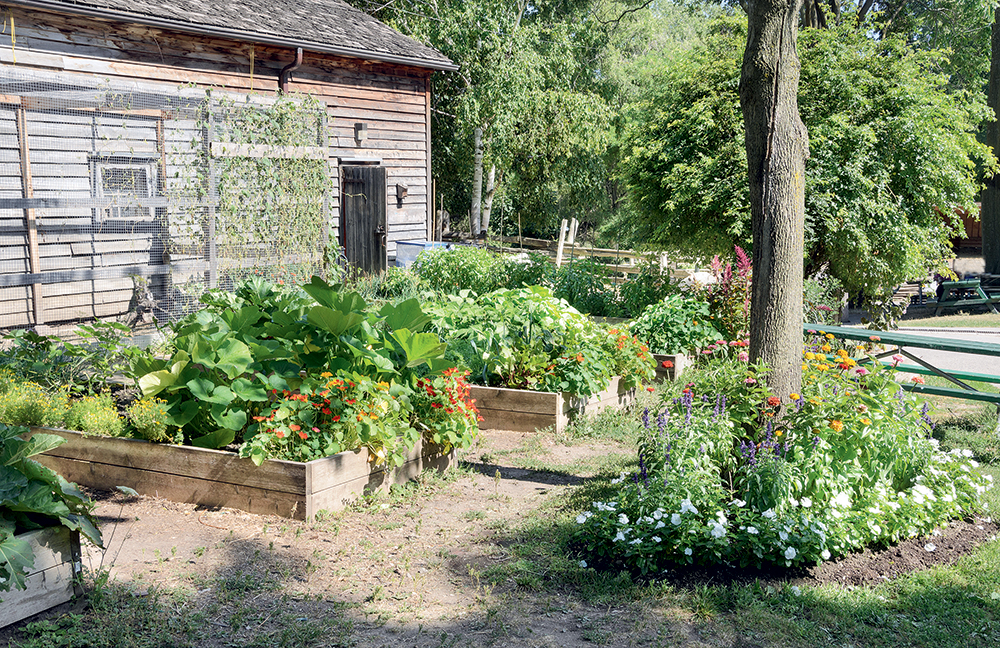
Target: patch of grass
{"points": [[958, 320]]}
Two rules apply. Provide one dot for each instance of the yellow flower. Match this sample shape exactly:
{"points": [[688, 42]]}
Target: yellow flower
{"points": [[326, 374], [822, 367], [850, 362], [804, 366], [793, 396], [842, 353], [826, 348], [779, 433], [836, 425], [866, 421], [810, 355], [830, 336]]}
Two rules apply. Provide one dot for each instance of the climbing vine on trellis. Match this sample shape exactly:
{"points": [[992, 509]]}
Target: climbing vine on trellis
{"points": [[271, 204]]}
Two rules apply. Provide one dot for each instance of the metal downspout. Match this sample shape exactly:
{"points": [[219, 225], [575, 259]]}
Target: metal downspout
{"points": [[286, 71]]}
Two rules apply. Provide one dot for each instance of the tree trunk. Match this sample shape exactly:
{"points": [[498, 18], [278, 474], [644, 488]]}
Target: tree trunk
{"points": [[477, 184], [777, 147], [991, 195], [491, 188]]}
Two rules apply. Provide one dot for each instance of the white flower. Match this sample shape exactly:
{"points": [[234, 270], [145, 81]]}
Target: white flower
{"points": [[636, 541], [580, 519], [688, 507], [790, 553], [583, 564], [876, 529], [806, 502], [825, 555], [657, 514], [843, 500], [752, 530], [675, 519], [794, 502], [769, 514], [718, 531], [688, 552], [656, 539], [795, 590], [966, 453], [930, 546], [739, 503], [619, 537], [659, 525], [782, 535], [622, 518]]}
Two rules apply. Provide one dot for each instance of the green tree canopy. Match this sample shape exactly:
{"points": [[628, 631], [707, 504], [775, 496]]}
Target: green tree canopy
{"points": [[893, 153]]}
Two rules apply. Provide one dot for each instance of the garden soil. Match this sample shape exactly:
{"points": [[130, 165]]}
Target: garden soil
{"points": [[415, 570]]}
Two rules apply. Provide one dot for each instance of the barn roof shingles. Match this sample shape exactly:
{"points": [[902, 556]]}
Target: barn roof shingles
{"points": [[323, 25]]}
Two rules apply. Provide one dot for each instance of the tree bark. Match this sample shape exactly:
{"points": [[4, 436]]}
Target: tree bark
{"points": [[477, 184], [491, 188], [777, 147], [991, 194]]}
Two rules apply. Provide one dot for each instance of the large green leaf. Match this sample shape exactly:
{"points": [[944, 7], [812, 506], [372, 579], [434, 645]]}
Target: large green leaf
{"points": [[182, 412], [407, 314], [234, 420], [208, 392], [155, 382], [419, 347], [13, 451], [213, 440], [243, 319], [334, 321], [249, 391], [17, 560], [234, 358], [321, 291]]}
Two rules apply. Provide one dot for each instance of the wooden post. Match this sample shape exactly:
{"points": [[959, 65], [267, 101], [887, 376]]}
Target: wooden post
{"points": [[563, 230], [30, 222]]}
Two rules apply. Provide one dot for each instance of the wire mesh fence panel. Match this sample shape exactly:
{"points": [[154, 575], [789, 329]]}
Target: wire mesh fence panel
{"points": [[126, 200]]}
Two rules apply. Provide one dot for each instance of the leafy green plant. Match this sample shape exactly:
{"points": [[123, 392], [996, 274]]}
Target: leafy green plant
{"points": [[584, 285], [34, 497], [260, 338], [527, 339], [335, 413], [95, 415], [679, 323], [464, 267], [652, 284], [443, 410], [750, 477], [148, 419], [28, 403], [822, 299], [40, 358]]}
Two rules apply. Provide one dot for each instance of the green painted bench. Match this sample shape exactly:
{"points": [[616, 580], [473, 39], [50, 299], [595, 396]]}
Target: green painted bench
{"points": [[898, 340]]}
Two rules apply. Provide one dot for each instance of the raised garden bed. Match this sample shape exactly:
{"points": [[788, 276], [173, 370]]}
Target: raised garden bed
{"points": [[525, 411], [679, 361], [218, 478], [52, 579]]}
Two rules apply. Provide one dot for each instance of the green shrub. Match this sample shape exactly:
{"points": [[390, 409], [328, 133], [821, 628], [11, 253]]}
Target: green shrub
{"points": [[95, 415], [463, 267], [649, 286], [677, 324], [849, 463], [529, 339], [28, 403], [584, 284], [148, 417], [394, 284]]}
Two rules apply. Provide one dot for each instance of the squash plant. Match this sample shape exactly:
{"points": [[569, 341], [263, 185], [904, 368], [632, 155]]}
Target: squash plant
{"points": [[263, 338], [34, 497]]}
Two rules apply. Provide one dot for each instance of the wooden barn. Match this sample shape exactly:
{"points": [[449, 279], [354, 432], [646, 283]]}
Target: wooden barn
{"points": [[134, 172]]}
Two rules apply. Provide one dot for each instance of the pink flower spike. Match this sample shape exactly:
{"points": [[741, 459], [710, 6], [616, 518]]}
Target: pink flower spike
{"points": [[861, 371]]}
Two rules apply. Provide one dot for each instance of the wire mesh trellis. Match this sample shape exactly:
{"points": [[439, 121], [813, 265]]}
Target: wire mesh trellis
{"points": [[126, 200]]}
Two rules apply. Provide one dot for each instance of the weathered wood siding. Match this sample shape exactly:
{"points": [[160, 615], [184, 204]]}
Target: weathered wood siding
{"points": [[392, 100]]}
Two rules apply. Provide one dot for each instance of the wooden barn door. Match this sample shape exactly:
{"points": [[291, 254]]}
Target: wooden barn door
{"points": [[364, 217]]}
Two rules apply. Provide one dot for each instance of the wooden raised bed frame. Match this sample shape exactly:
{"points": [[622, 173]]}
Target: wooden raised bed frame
{"points": [[526, 411], [52, 579], [218, 478]]}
